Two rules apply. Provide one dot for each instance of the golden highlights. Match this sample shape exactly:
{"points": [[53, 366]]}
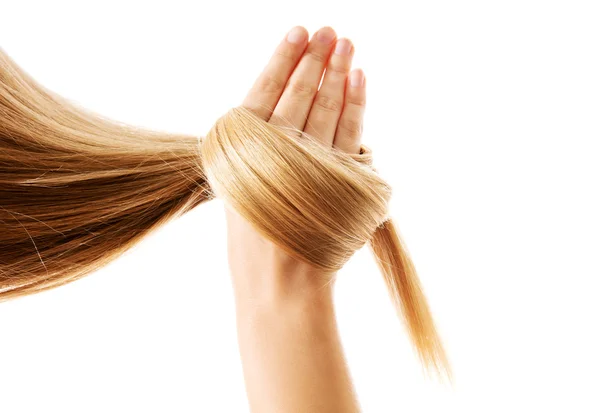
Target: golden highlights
{"points": [[77, 190]]}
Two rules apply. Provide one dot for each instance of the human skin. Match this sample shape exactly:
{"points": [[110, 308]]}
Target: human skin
{"points": [[288, 338]]}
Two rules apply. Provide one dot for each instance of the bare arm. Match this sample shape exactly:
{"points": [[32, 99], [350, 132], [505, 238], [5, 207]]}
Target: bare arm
{"points": [[289, 343], [290, 347]]}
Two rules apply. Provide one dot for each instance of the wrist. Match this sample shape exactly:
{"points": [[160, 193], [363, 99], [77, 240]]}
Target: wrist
{"points": [[300, 289], [271, 277]]}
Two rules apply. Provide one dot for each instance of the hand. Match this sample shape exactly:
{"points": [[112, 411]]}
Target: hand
{"points": [[289, 343], [287, 93]]}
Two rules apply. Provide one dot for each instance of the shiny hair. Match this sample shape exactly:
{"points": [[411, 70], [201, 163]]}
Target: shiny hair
{"points": [[77, 190]]}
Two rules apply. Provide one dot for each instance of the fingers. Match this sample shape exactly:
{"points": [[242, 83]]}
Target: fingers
{"points": [[287, 91], [269, 86], [327, 105], [296, 100], [350, 125]]}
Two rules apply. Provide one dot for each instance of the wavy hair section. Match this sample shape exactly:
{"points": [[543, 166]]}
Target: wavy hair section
{"points": [[77, 190]]}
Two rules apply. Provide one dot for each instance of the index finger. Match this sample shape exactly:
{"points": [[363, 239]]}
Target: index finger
{"points": [[267, 89]]}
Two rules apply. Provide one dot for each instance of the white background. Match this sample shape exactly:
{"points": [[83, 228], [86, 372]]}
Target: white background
{"points": [[484, 116]]}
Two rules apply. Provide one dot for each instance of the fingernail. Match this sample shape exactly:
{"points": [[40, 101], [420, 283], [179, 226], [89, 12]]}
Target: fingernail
{"points": [[296, 35], [326, 35], [343, 47], [357, 78]]}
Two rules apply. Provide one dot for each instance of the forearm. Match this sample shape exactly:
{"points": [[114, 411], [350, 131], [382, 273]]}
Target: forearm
{"points": [[291, 351]]}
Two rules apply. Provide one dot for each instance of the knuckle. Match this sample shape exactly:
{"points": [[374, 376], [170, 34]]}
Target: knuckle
{"points": [[359, 100], [286, 53], [316, 56], [351, 126], [327, 103], [338, 69], [302, 89], [271, 84]]}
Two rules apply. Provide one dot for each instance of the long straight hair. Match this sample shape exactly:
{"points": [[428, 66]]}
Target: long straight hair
{"points": [[77, 190]]}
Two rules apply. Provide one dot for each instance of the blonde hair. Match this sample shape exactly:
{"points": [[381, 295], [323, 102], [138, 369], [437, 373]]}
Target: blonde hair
{"points": [[77, 190]]}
